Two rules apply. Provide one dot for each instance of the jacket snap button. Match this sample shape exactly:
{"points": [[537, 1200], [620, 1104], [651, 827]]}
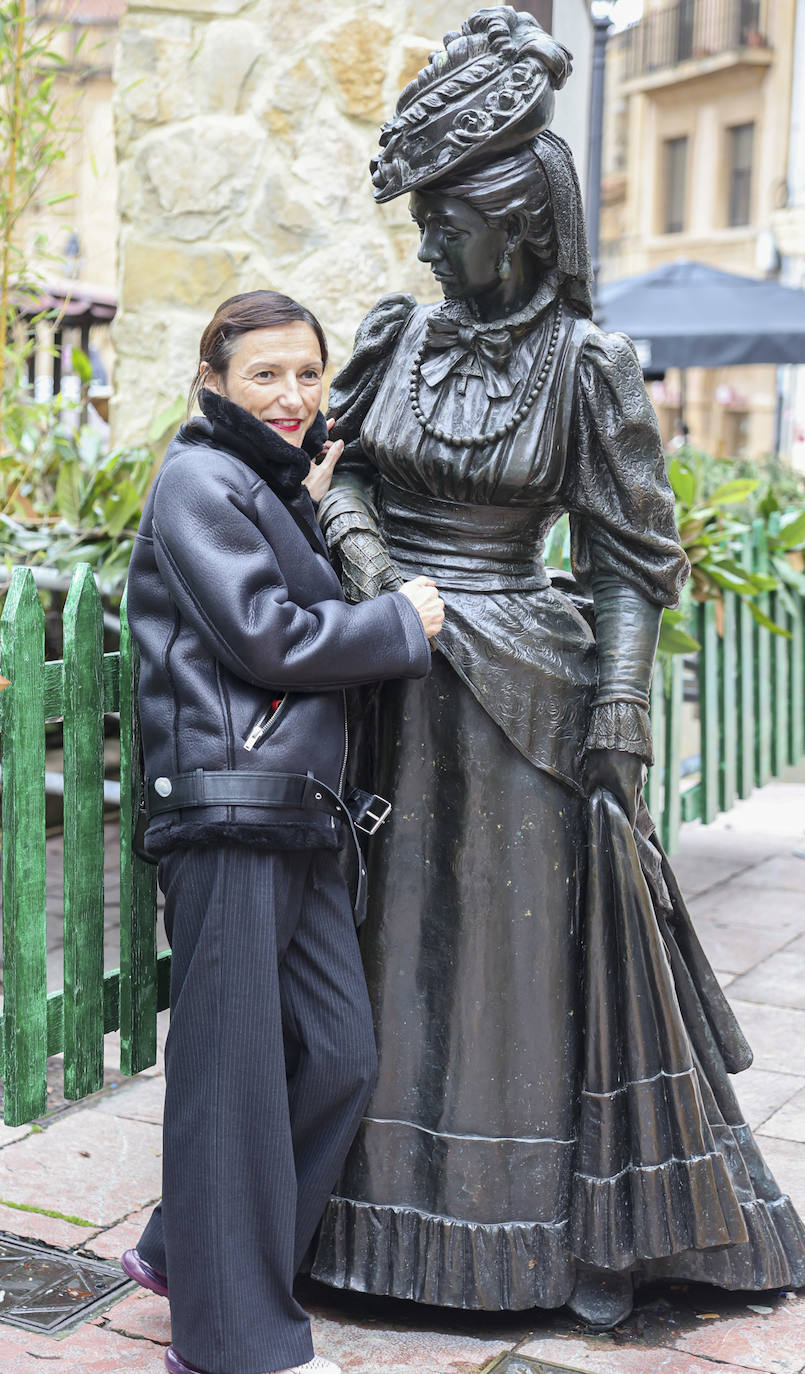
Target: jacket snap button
{"points": [[163, 787], [317, 795]]}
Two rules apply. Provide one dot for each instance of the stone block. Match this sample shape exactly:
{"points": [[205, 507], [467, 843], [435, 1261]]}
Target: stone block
{"points": [[762, 1093], [162, 272], [212, 7], [52, 1230], [357, 54], [89, 1350], [142, 1315], [778, 980], [194, 180], [138, 1099], [789, 1122], [776, 1034], [605, 1355], [111, 1243], [88, 1164], [230, 49]]}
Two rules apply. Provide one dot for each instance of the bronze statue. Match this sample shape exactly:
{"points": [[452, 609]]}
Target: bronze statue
{"points": [[553, 1114]]}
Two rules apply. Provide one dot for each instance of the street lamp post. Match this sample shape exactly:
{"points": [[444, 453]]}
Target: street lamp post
{"points": [[601, 26]]}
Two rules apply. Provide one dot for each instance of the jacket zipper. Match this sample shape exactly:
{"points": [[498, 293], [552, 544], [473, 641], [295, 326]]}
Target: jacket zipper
{"points": [[263, 726], [343, 774]]}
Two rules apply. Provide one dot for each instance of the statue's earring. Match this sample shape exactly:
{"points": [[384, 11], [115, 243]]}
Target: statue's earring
{"points": [[504, 266]]}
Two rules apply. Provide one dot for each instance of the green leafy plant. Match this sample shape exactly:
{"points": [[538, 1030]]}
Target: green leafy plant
{"points": [[713, 530], [34, 123]]}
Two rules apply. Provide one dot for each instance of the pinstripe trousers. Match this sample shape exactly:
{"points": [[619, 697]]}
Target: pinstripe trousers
{"points": [[269, 1062]]}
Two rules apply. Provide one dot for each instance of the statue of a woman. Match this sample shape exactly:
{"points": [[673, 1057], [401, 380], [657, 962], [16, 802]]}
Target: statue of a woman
{"points": [[553, 1113]]}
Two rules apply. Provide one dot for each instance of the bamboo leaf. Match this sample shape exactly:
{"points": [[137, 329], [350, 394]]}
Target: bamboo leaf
{"points": [[766, 621], [730, 493], [792, 531]]}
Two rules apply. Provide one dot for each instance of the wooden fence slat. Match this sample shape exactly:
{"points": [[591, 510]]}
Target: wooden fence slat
{"points": [[746, 688], [763, 681], [727, 706], [83, 836], [22, 657], [797, 683], [708, 707], [138, 953], [672, 809]]}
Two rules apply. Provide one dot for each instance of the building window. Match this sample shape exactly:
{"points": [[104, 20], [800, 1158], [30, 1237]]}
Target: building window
{"points": [[676, 175], [741, 141]]}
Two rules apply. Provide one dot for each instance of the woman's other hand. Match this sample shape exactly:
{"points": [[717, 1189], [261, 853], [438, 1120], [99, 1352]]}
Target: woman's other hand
{"points": [[423, 595], [321, 473], [620, 772]]}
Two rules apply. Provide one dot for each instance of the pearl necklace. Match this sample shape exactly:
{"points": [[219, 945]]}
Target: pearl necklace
{"points": [[494, 435]]}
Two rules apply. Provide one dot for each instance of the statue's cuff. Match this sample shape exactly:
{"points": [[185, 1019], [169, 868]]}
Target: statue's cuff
{"points": [[341, 525], [621, 725]]}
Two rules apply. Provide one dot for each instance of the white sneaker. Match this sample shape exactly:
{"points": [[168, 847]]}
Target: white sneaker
{"points": [[318, 1365]]}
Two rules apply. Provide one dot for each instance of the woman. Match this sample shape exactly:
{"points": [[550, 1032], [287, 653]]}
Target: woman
{"points": [[552, 1113], [246, 647]]}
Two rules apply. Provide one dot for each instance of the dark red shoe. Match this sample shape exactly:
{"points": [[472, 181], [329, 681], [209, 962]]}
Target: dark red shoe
{"points": [[176, 1365], [144, 1273]]}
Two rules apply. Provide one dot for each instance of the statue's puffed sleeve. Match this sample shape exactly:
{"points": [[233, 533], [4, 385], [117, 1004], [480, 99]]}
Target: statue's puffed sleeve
{"points": [[624, 541], [347, 514]]}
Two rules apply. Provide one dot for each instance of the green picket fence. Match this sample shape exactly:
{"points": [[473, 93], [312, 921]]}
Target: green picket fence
{"points": [[752, 709], [79, 689], [751, 705]]}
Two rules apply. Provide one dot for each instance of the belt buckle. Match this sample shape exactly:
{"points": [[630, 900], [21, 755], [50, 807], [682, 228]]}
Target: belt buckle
{"points": [[377, 811], [367, 809]]}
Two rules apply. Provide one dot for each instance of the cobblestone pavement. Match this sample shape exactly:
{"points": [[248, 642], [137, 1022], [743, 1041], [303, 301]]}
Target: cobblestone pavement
{"points": [[94, 1168]]}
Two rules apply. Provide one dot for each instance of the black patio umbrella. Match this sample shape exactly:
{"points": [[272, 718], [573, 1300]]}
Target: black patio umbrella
{"points": [[689, 315]]}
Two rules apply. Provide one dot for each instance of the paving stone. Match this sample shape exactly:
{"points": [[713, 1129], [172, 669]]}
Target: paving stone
{"points": [[786, 1159], [769, 1343], [52, 1230], [778, 980], [89, 1350], [785, 872], [789, 1122], [141, 1314], [87, 1164], [124, 1236], [365, 1349], [738, 928], [725, 978], [139, 1099], [776, 1034], [610, 1355], [11, 1133], [776, 810], [761, 1092]]}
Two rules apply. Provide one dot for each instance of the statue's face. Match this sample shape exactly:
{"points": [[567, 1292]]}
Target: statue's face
{"points": [[463, 250]]}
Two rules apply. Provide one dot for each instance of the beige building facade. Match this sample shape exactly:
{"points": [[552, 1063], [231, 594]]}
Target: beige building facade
{"points": [[699, 100], [244, 132]]}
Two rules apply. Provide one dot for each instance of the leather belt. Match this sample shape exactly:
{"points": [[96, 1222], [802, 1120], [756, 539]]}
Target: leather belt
{"points": [[274, 791]]}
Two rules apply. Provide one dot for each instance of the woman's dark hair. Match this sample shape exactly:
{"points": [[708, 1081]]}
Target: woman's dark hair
{"points": [[238, 316]]}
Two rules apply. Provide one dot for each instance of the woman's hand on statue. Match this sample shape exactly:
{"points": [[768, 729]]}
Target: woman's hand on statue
{"points": [[322, 468], [620, 772], [423, 595]]}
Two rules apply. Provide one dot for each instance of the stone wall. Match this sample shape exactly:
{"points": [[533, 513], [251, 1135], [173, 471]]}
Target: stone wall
{"points": [[244, 131]]}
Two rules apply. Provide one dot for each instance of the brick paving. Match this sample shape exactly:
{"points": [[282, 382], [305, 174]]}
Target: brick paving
{"points": [[97, 1165]]}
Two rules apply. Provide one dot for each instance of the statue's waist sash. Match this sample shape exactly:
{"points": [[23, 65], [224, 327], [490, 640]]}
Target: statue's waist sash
{"points": [[461, 545]]}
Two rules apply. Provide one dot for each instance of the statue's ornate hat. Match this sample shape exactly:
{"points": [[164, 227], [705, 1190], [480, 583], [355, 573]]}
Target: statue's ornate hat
{"points": [[490, 89]]}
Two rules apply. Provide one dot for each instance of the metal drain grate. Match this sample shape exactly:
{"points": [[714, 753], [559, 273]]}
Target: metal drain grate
{"points": [[48, 1290], [521, 1364]]}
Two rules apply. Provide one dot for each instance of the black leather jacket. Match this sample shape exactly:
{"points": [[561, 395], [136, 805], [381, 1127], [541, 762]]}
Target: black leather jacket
{"points": [[232, 608]]}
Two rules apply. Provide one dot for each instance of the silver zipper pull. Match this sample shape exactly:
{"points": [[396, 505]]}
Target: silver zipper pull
{"points": [[258, 731]]}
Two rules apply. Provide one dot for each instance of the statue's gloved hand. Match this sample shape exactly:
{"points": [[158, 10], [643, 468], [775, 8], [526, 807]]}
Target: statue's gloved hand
{"points": [[366, 569], [622, 773]]}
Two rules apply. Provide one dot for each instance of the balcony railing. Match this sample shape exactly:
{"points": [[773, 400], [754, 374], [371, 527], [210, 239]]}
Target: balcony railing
{"points": [[694, 30]]}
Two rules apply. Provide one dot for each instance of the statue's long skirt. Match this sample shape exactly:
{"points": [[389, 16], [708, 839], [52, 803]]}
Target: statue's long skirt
{"points": [[553, 1046]]}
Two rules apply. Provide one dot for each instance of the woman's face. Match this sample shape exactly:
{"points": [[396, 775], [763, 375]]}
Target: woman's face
{"points": [[275, 374], [463, 250]]}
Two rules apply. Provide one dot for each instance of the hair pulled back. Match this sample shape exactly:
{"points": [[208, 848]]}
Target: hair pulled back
{"points": [[238, 316], [504, 186]]}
